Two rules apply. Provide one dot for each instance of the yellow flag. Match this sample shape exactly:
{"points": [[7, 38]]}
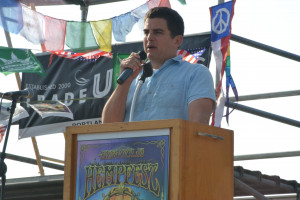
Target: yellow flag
{"points": [[103, 33]]}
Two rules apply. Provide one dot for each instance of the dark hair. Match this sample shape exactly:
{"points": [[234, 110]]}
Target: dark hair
{"points": [[174, 20]]}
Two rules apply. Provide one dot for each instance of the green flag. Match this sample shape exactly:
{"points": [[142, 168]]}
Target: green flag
{"points": [[117, 61], [182, 2], [19, 60], [80, 37]]}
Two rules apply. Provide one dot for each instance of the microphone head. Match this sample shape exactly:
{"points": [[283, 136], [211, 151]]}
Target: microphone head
{"points": [[30, 93], [142, 55], [148, 70]]}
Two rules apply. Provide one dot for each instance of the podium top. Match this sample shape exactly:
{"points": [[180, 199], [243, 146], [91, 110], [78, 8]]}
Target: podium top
{"points": [[142, 125]]}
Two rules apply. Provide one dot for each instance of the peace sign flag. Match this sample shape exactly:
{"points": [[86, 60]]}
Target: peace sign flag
{"points": [[221, 17]]}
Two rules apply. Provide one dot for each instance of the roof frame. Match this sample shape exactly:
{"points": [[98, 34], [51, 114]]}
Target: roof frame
{"points": [[67, 2]]}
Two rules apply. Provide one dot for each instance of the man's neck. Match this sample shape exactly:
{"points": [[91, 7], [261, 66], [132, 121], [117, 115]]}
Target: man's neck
{"points": [[157, 65]]}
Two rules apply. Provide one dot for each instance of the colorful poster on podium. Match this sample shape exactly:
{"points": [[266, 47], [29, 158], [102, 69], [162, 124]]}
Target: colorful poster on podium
{"points": [[133, 168]]}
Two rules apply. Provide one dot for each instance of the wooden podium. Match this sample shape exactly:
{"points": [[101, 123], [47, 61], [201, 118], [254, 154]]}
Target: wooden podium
{"points": [[200, 157]]}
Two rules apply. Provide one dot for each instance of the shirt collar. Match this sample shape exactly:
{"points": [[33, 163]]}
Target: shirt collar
{"points": [[176, 59]]}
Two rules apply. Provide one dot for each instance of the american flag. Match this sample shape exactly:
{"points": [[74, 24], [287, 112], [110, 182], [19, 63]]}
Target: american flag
{"points": [[91, 56], [2, 132], [191, 55]]}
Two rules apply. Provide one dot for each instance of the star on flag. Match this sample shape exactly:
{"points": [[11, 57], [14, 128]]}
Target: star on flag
{"points": [[191, 55]]}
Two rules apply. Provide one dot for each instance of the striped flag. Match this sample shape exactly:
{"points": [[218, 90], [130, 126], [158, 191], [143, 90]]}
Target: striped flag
{"points": [[221, 17], [191, 55], [91, 56]]}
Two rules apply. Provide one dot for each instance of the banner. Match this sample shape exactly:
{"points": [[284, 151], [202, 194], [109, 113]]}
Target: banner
{"points": [[82, 86], [19, 60]]}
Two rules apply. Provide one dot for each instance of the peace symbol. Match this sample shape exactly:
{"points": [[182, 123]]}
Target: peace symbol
{"points": [[220, 26]]}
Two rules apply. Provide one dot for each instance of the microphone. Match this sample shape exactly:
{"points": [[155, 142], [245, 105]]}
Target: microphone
{"points": [[147, 70], [27, 93], [127, 72]]}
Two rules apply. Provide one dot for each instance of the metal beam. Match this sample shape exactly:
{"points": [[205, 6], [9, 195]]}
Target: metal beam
{"points": [[267, 155], [243, 186], [33, 161], [264, 114], [84, 12], [267, 95], [264, 47], [67, 2]]}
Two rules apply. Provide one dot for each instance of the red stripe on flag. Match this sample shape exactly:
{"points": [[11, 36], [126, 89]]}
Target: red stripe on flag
{"points": [[87, 55], [2, 132], [187, 56]]}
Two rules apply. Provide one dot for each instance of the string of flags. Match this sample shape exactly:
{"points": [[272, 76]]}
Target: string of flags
{"points": [[55, 33]]}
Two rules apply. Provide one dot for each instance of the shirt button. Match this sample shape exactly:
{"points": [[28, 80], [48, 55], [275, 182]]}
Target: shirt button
{"points": [[146, 109], [149, 92]]}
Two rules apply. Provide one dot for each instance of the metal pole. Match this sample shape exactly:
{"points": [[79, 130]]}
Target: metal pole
{"points": [[267, 155], [264, 47], [33, 161], [267, 95], [264, 114], [243, 186]]}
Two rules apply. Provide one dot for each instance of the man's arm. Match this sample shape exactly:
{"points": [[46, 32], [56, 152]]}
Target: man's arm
{"points": [[200, 110], [114, 109]]}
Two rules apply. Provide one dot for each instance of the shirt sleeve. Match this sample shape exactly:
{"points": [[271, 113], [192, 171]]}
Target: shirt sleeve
{"points": [[201, 85]]}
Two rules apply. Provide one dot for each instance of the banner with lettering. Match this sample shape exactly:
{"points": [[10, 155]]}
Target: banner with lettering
{"points": [[82, 86]]}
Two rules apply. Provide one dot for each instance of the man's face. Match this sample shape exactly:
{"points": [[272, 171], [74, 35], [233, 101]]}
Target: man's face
{"points": [[158, 43]]}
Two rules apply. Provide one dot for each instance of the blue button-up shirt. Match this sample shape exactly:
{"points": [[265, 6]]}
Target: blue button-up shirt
{"points": [[168, 92]]}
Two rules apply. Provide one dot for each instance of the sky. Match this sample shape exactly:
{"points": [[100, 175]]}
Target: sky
{"points": [[271, 22]]}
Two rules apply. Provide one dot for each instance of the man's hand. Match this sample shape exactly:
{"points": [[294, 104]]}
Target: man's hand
{"points": [[133, 62]]}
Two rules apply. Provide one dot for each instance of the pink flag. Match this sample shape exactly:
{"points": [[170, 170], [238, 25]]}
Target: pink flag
{"points": [[158, 3], [55, 32]]}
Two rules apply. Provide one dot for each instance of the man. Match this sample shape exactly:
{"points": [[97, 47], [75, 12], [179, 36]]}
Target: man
{"points": [[177, 89]]}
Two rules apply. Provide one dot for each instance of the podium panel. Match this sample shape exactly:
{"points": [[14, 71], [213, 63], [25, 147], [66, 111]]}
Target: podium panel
{"points": [[200, 157]]}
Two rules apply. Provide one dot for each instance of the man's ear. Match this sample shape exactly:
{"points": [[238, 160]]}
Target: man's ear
{"points": [[178, 40]]}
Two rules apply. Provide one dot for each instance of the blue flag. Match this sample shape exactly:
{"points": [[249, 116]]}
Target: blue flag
{"points": [[11, 18], [221, 16]]}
